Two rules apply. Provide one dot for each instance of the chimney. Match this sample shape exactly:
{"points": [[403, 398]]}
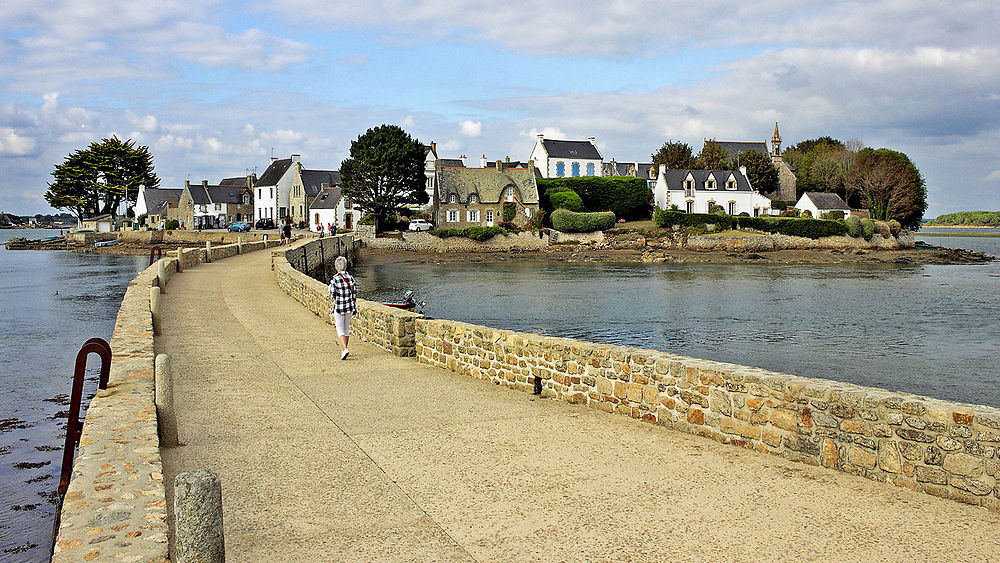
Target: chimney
{"points": [[508, 159], [482, 162], [541, 137], [204, 183], [462, 158], [296, 158], [743, 170], [592, 139], [434, 148], [324, 186], [187, 184], [499, 166]]}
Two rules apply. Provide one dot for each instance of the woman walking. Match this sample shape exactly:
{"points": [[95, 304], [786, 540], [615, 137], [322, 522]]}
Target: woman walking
{"points": [[344, 293], [286, 232]]}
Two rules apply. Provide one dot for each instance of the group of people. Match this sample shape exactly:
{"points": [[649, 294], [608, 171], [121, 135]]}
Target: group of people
{"points": [[331, 229]]}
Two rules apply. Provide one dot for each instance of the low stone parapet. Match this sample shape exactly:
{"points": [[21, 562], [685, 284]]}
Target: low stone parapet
{"points": [[424, 242], [945, 449]]}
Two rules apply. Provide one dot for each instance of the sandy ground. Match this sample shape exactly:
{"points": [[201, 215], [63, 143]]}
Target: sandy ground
{"points": [[379, 458]]}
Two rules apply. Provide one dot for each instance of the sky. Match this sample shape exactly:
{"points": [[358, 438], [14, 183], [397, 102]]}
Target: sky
{"points": [[215, 88]]}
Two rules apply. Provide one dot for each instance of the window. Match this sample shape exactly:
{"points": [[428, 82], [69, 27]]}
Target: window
{"points": [[690, 206], [473, 216], [473, 199], [590, 169], [260, 193], [347, 204], [730, 184], [509, 193], [489, 217], [560, 169], [270, 193], [218, 207], [709, 184], [453, 198], [732, 208], [246, 199], [527, 212], [756, 211], [576, 169], [453, 216]]}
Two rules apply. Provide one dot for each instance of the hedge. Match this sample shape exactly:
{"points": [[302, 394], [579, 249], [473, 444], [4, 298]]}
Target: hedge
{"points": [[809, 228], [626, 197], [853, 223], [566, 200], [474, 233], [572, 222]]}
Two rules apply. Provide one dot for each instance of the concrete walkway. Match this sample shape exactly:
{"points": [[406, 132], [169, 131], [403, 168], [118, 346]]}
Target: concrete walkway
{"points": [[379, 458]]}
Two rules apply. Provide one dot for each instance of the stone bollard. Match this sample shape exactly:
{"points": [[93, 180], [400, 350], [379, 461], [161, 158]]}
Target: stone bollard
{"points": [[161, 275], [208, 251], [239, 245], [163, 397], [198, 518], [180, 257], [154, 308]]}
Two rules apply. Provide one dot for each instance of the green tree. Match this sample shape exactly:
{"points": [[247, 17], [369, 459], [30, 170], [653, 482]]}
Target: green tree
{"points": [[98, 179], [712, 157], [762, 174], [890, 186], [675, 154], [384, 172]]}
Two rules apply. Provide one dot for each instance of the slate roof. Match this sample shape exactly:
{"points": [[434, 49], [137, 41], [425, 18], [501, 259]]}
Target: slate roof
{"points": [[825, 200], [507, 164], [227, 194], [240, 181], [157, 199], [675, 180], [274, 172], [198, 194], [734, 148], [326, 199], [571, 149], [452, 162], [313, 180], [488, 183], [614, 168]]}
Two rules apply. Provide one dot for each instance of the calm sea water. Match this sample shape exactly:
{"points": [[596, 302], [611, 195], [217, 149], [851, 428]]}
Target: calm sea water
{"points": [[51, 302], [929, 330]]}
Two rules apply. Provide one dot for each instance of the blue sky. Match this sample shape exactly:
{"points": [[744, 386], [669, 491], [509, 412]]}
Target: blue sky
{"points": [[212, 87]]}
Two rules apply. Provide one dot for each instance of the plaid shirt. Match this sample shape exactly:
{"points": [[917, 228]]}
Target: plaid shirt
{"points": [[344, 293]]}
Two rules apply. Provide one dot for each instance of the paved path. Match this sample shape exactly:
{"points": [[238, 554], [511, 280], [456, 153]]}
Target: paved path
{"points": [[379, 458]]}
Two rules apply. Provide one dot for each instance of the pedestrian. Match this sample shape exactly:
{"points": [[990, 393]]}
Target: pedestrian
{"points": [[286, 232], [329, 228], [319, 229], [344, 293]]}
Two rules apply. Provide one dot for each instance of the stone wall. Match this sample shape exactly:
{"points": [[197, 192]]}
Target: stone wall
{"points": [[315, 258], [944, 449], [423, 242], [389, 328], [194, 237], [115, 506]]}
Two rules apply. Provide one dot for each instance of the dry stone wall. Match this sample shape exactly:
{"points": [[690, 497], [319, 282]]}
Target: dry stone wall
{"points": [[944, 449], [423, 242]]}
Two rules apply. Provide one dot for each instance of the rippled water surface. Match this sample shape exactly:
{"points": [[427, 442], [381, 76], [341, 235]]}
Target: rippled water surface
{"points": [[51, 302], [930, 330]]}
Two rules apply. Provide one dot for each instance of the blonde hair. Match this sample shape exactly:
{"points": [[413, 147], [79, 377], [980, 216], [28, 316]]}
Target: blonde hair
{"points": [[340, 264]]}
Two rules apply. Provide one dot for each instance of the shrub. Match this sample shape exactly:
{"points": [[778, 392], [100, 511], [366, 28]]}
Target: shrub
{"points": [[367, 220], [782, 204], [566, 200], [171, 224], [790, 212], [810, 228], [536, 221], [474, 233], [744, 214], [834, 215], [806, 214], [509, 210], [572, 222], [853, 226], [714, 209], [627, 197], [867, 228], [882, 228], [895, 228], [141, 220]]}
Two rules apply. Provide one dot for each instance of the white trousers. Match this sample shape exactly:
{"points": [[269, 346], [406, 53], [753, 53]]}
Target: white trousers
{"points": [[343, 323]]}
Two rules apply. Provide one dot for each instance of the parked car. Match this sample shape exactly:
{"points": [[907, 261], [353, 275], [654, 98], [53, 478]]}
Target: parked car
{"points": [[420, 225], [239, 227], [264, 224]]}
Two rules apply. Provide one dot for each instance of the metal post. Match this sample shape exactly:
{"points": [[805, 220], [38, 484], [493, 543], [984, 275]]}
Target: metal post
{"points": [[74, 427]]}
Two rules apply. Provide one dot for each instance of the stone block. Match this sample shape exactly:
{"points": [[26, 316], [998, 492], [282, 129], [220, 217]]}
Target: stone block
{"points": [[860, 457], [888, 457], [696, 416], [771, 437], [855, 427], [829, 456], [974, 486], [785, 420], [934, 475], [744, 429], [719, 402], [963, 464]]}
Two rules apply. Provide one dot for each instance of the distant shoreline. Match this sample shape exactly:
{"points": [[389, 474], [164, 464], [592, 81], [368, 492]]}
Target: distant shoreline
{"points": [[958, 227]]}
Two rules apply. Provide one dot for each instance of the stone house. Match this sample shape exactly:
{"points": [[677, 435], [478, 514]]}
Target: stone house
{"points": [[286, 188], [306, 185], [159, 205], [695, 191], [818, 203], [559, 159], [786, 174], [99, 223], [204, 206], [468, 197], [644, 170]]}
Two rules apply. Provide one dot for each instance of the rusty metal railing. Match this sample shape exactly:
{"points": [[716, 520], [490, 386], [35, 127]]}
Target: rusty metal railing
{"points": [[157, 252], [74, 427]]}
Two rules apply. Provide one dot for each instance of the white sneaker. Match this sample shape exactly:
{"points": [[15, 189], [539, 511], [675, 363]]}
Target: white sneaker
{"points": [[343, 355]]}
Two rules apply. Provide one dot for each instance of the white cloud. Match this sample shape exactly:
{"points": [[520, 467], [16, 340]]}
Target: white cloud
{"points": [[470, 128], [407, 121], [13, 144], [992, 176], [147, 123]]}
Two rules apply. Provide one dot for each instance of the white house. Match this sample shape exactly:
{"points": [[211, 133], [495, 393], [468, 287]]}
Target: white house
{"points": [[819, 203], [558, 159], [694, 191], [330, 207], [273, 187]]}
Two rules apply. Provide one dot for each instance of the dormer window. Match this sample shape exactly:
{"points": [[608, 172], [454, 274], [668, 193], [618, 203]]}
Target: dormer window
{"points": [[453, 198], [688, 184], [710, 184], [473, 199], [731, 184]]}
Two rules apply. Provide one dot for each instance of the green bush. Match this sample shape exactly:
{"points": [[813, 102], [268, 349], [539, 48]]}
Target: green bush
{"points": [[895, 228], [882, 228], [853, 226], [367, 220], [566, 200], [141, 220], [509, 210], [171, 224], [834, 215], [806, 214], [714, 209], [627, 197], [790, 212], [474, 233], [810, 228], [782, 204], [572, 222], [867, 228]]}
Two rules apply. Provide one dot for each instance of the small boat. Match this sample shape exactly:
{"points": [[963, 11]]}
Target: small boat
{"points": [[49, 239], [105, 243], [408, 303], [921, 245]]}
